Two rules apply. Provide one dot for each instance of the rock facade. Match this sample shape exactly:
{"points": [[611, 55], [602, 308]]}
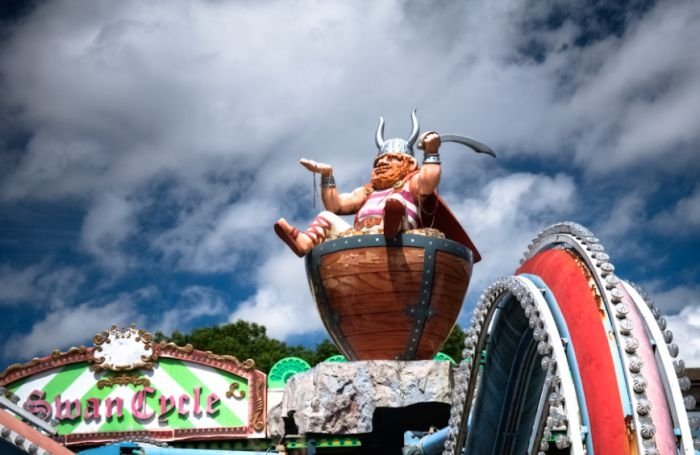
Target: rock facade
{"points": [[341, 398]]}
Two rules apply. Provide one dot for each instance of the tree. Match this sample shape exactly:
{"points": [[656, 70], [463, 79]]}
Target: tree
{"points": [[455, 343], [245, 340], [248, 340]]}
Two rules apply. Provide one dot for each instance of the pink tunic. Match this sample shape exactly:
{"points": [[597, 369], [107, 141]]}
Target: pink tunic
{"points": [[374, 206]]}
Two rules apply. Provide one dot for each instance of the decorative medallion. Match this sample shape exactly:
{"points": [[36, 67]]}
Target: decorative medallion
{"points": [[122, 350]]}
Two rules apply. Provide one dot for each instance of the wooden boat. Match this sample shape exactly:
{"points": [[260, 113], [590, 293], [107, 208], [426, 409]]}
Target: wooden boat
{"points": [[390, 299]]}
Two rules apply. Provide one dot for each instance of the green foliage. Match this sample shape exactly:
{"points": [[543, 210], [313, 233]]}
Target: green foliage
{"points": [[455, 343], [323, 350], [248, 340]]}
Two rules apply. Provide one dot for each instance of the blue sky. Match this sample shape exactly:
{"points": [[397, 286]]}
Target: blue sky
{"points": [[146, 149]]}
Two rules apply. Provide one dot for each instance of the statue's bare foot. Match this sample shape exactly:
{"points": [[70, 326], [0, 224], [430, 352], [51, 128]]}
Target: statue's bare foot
{"points": [[394, 211], [298, 241]]}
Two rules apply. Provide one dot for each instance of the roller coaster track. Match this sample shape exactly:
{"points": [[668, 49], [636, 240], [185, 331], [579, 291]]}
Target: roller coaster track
{"points": [[565, 357]]}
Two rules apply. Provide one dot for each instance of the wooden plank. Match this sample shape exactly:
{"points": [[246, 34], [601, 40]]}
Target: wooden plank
{"points": [[371, 283], [371, 260], [368, 304], [451, 265], [374, 323], [390, 341]]}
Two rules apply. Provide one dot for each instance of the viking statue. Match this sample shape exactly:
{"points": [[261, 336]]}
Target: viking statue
{"points": [[393, 201]]}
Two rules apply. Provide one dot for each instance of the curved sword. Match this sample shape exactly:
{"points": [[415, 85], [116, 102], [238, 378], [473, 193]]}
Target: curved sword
{"points": [[473, 144]]}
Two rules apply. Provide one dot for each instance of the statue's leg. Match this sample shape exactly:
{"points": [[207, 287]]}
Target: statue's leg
{"points": [[394, 214], [302, 242]]}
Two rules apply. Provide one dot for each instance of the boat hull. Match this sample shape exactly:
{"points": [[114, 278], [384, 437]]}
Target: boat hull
{"points": [[394, 299]]}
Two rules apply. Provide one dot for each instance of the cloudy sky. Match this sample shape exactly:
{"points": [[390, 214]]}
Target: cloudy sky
{"points": [[146, 148]]}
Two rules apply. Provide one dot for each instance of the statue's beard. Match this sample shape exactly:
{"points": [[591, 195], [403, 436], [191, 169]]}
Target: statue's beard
{"points": [[387, 175]]}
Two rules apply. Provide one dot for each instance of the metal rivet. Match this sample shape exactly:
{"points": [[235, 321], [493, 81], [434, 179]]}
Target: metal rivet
{"points": [[621, 311], [668, 336], [643, 407], [639, 384], [647, 430], [679, 367], [625, 326], [607, 268], [611, 281], [601, 257], [543, 348], [631, 345], [673, 349], [616, 295], [635, 364]]}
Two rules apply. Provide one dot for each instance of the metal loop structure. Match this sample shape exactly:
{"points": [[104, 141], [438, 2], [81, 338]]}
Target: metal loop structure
{"points": [[565, 357]]}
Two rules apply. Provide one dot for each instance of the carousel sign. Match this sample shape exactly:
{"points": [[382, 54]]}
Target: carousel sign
{"points": [[126, 385]]}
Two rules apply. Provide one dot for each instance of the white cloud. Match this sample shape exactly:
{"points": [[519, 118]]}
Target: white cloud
{"points": [[622, 218], [682, 218], [625, 216], [125, 92], [18, 285], [69, 326], [213, 236], [129, 93], [680, 306], [39, 285], [283, 300], [686, 333], [639, 100], [506, 215], [196, 302], [672, 300], [106, 227]]}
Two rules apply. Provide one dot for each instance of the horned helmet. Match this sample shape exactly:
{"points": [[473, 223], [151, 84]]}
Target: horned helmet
{"points": [[396, 145]]}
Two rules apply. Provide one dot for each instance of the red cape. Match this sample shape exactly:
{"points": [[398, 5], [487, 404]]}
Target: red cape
{"points": [[436, 214]]}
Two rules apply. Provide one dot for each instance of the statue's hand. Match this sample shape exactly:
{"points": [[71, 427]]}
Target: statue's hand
{"points": [[319, 168], [429, 142]]}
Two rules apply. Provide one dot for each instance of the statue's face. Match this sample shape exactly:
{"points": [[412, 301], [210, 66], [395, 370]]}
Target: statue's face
{"points": [[390, 168]]}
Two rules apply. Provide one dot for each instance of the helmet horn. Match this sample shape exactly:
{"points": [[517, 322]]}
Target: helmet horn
{"points": [[415, 131], [379, 137]]}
